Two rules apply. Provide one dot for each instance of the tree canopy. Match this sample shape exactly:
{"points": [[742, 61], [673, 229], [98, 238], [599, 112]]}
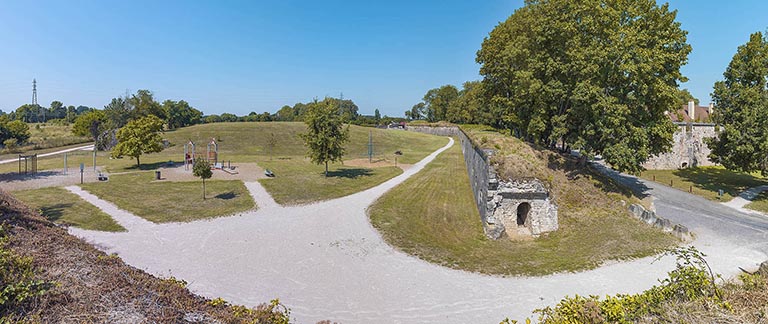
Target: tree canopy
{"points": [[594, 75], [140, 136], [326, 134], [742, 109], [89, 124], [202, 169]]}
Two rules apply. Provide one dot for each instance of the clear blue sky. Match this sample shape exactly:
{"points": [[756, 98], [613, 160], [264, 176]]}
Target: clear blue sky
{"points": [[230, 56]]}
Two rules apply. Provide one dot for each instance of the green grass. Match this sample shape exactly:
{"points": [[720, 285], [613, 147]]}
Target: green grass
{"points": [[300, 182], [760, 203], [432, 216], [63, 207], [165, 201], [247, 142], [706, 181]]}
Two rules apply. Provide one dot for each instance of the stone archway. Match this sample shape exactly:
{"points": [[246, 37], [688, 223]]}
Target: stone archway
{"points": [[523, 209]]}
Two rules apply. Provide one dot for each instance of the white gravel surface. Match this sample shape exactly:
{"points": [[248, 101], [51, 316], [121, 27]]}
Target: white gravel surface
{"points": [[325, 261]]}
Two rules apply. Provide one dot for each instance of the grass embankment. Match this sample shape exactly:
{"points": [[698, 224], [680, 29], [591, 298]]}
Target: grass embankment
{"points": [[432, 216], [82, 284], [166, 201], [61, 206], [706, 181]]}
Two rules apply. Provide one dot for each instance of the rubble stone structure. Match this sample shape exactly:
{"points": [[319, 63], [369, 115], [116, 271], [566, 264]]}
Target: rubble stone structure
{"points": [[688, 148], [511, 207]]}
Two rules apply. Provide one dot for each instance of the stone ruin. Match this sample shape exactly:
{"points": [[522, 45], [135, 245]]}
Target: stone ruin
{"points": [[519, 208]]}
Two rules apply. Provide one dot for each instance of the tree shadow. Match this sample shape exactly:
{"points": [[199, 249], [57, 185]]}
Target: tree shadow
{"points": [[54, 212], [350, 173], [226, 196], [713, 179], [11, 176], [148, 166]]}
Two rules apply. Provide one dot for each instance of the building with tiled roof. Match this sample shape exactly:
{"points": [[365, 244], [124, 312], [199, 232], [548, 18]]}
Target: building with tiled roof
{"points": [[692, 113]]}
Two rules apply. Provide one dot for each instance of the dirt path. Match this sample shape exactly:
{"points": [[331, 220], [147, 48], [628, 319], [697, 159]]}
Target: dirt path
{"points": [[326, 261]]}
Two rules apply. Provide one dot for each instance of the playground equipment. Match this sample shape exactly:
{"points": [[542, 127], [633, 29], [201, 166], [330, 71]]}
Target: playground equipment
{"points": [[30, 163], [189, 154], [213, 152]]}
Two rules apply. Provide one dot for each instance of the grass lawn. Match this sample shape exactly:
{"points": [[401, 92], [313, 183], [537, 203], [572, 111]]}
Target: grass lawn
{"points": [[760, 203], [432, 216], [298, 181], [706, 181], [63, 207], [165, 201]]}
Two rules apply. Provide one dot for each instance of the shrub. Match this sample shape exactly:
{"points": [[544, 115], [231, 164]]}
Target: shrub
{"points": [[19, 287]]}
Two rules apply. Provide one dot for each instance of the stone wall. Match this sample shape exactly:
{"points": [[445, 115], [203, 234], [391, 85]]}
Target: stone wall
{"points": [[688, 148], [497, 200]]}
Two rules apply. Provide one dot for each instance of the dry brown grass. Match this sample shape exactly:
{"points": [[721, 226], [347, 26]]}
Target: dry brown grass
{"points": [[92, 287]]}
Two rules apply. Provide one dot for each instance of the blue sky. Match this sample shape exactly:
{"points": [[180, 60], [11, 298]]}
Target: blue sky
{"points": [[242, 56]]}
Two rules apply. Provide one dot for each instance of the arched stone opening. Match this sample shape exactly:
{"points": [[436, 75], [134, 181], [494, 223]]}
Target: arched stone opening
{"points": [[522, 213], [684, 165]]}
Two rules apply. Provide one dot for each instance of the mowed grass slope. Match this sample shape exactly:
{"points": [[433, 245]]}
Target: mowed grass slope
{"points": [[432, 215], [166, 201], [63, 207], [706, 181]]}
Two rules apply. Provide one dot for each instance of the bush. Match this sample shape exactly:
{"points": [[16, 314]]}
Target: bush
{"points": [[691, 280], [19, 287]]}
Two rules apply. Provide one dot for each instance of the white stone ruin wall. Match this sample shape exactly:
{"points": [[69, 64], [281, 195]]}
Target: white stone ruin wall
{"points": [[542, 217], [688, 148]]}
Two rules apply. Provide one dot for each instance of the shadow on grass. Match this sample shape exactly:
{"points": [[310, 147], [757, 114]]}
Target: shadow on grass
{"points": [[226, 196], [350, 173], [605, 179], [54, 212], [11, 176], [713, 179], [148, 166]]}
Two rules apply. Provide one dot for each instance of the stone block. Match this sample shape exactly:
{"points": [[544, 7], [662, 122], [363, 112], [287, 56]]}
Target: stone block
{"points": [[648, 217], [495, 231], [636, 210], [663, 223]]}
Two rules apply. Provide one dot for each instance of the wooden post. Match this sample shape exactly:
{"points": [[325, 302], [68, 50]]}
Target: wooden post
{"points": [[654, 177], [671, 183], [690, 189]]}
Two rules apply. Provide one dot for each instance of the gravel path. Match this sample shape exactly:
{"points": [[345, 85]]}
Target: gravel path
{"points": [[325, 261]]}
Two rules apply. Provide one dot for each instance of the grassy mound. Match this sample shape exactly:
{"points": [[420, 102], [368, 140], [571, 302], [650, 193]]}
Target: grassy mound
{"points": [[92, 287], [432, 215]]}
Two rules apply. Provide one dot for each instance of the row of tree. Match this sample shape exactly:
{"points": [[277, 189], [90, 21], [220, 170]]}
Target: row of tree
{"points": [[30, 113]]}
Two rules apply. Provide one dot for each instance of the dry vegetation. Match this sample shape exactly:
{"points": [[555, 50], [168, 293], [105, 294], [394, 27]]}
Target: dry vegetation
{"points": [[90, 286]]}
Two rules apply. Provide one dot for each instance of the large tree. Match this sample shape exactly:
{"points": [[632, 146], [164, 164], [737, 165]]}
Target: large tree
{"points": [[90, 124], [742, 109], [326, 133], [596, 75], [139, 136], [180, 114], [144, 105]]}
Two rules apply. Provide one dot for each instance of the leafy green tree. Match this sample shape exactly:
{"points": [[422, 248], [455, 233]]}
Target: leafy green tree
{"points": [[57, 110], [140, 136], [18, 130], [596, 75], [144, 105], [742, 109], [180, 114], [416, 112], [376, 116], [227, 117], [326, 133], [89, 124], [683, 96], [284, 114], [202, 169], [118, 112], [438, 101]]}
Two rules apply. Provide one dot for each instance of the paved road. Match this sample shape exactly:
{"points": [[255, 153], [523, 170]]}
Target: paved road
{"points": [[325, 261], [711, 221], [84, 147]]}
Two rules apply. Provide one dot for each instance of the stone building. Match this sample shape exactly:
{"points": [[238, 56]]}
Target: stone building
{"points": [[688, 146], [519, 208]]}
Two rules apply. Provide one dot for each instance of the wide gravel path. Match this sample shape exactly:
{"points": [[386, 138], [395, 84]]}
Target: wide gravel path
{"points": [[325, 261]]}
